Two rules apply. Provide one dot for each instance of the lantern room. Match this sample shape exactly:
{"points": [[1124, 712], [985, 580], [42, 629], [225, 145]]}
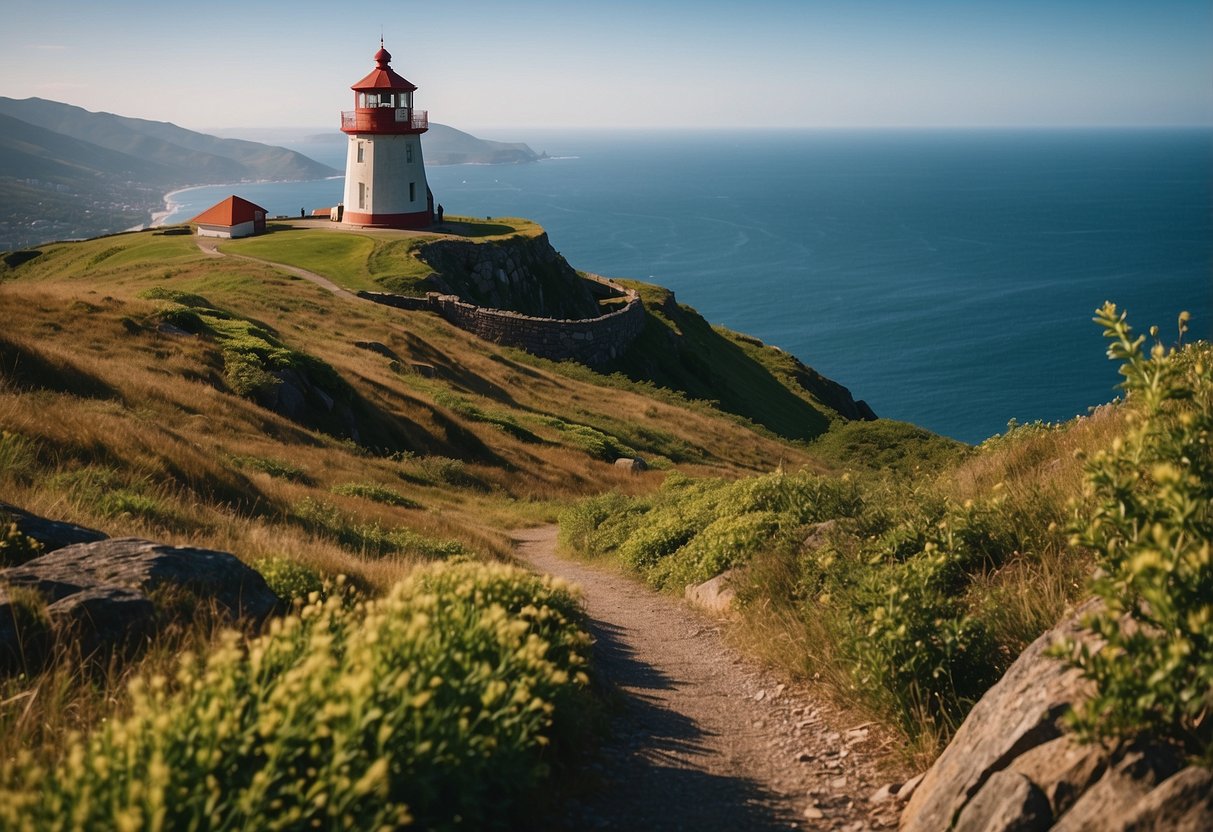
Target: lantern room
{"points": [[384, 102]]}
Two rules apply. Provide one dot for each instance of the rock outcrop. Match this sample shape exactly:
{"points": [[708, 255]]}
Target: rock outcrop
{"points": [[520, 274], [52, 534], [104, 595], [1011, 765]]}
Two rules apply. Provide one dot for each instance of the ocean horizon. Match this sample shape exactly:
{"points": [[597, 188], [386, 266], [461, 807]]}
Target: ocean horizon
{"points": [[947, 277]]}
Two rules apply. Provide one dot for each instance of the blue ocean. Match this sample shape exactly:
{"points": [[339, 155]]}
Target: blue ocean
{"points": [[946, 277]]}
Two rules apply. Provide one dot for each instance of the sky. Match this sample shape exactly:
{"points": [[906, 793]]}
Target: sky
{"points": [[511, 66]]}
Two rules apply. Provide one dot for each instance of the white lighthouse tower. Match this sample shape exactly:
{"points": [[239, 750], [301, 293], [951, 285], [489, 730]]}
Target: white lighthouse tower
{"points": [[385, 183]]}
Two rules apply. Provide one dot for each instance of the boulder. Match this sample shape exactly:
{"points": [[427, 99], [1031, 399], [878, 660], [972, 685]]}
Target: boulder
{"points": [[1182, 803], [633, 464], [144, 566], [52, 534], [1011, 766], [1007, 802], [102, 596], [1132, 773], [103, 618], [25, 633], [1019, 713], [715, 595], [1064, 768]]}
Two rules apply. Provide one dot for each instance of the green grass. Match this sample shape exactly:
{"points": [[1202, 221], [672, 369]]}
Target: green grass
{"points": [[350, 259], [367, 260], [680, 350]]}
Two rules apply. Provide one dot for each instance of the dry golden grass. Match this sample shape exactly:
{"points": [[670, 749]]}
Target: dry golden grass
{"points": [[156, 420], [117, 423]]}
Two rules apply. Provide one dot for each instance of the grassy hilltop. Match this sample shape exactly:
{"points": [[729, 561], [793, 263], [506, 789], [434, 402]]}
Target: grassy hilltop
{"points": [[149, 389]]}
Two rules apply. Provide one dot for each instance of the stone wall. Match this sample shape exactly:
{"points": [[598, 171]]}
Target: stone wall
{"points": [[591, 341]]}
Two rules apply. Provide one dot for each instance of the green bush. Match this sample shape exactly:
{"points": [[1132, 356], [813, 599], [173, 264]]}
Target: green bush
{"points": [[15, 547], [917, 650], [369, 539], [376, 493], [1151, 527], [725, 542], [274, 467], [441, 705], [290, 580], [112, 494]]}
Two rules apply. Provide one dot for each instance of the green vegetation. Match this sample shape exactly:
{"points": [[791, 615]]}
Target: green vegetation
{"points": [[1151, 526], [681, 351], [938, 564], [293, 582], [369, 539], [896, 448], [273, 467], [903, 570], [368, 260], [442, 705], [351, 259], [16, 548], [374, 491]]}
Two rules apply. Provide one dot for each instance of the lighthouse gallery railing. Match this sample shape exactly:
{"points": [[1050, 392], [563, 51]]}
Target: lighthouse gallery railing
{"points": [[385, 119]]}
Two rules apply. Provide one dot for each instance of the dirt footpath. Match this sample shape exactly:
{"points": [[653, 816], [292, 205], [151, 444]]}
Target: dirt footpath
{"points": [[704, 738]]}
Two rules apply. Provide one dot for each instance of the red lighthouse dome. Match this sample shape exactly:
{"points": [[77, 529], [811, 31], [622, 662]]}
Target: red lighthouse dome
{"points": [[385, 184], [384, 102]]}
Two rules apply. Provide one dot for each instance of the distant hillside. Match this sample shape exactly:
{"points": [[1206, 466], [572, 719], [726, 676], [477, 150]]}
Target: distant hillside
{"points": [[445, 145], [195, 158], [66, 172]]}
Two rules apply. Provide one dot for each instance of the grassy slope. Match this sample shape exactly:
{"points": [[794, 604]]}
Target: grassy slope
{"points": [[680, 350], [487, 441]]}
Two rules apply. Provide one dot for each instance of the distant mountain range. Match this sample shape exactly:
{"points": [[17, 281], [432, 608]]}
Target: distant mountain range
{"points": [[66, 172], [443, 145]]}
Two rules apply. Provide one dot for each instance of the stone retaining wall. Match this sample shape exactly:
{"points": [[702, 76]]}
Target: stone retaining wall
{"points": [[591, 341]]}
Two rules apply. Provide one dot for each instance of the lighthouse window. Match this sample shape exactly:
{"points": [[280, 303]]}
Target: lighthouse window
{"points": [[360, 154], [412, 191], [408, 152], [361, 194]]}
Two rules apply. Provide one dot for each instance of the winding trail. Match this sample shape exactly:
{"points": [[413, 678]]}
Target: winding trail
{"points": [[705, 739]]}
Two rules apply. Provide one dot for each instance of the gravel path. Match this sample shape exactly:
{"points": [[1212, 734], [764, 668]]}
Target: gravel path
{"points": [[705, 739]]}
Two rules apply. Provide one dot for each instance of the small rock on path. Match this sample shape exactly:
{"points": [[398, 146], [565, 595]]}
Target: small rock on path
{"points": [[705, 738]]}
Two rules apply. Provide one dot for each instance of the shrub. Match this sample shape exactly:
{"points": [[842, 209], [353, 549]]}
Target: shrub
{"points": [[15, 547], [726, 542], [107, 492], [375, 492], [437, 705], [369, 539], [449, 471], [1151, 527], [274, 467], [291, 580], [919, 650]]}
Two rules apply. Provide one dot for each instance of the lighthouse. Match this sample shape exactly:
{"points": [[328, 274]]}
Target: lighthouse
{"points": [[385, 183]]}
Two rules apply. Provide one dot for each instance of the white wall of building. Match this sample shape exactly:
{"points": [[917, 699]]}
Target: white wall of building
{"points": [[244, 229], [389, 164]]}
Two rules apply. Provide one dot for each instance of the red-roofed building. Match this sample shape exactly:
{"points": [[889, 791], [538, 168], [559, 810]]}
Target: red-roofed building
{"points": [[233, 217]]}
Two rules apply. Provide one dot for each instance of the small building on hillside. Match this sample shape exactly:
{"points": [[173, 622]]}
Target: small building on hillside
{"points": [[233, 217]]}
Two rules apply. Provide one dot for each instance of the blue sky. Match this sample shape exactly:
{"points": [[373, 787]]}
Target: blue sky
{"points": [[511, 66]]}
